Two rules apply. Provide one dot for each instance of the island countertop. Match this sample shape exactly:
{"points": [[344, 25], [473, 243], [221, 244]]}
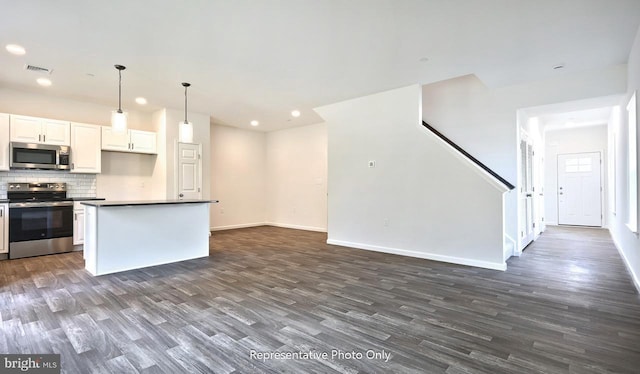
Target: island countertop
{"points": [[102, 203]]}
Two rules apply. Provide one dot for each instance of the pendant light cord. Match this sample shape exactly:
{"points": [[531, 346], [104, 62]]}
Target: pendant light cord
{"points": [[185, 105], [119, 91]]}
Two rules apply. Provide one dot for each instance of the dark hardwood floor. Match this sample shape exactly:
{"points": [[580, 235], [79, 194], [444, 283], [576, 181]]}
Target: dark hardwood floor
{"points": [[567, 305]]}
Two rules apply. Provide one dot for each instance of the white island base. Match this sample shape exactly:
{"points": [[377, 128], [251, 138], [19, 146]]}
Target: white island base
{"points": [[122, 236]]}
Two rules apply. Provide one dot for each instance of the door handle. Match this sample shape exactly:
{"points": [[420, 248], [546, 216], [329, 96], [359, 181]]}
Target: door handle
{"points": [[181, 195], [529, 195], [560, 193]]}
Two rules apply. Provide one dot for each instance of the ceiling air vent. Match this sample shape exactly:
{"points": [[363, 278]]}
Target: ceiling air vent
{"points": [[38, 69]]}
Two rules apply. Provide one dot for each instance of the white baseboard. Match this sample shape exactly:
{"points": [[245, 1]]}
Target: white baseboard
{"points": [[634, 276], [297, 227], [428, 256], [240, 226], [509, 247], [551, 223], [276, 224]]}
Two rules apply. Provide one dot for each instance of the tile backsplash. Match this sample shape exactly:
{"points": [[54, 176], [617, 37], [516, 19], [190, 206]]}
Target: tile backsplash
{"points": [[78, 185]]}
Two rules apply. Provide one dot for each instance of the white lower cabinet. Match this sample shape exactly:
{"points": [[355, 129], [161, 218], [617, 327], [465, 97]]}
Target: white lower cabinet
{"points": [[78, 223], [4, 228]]}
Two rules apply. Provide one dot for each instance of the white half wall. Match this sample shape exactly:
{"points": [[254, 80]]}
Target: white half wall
{"points": [[628, 243], [296, 178], [576, 140], [420, 199], [238, 177]]}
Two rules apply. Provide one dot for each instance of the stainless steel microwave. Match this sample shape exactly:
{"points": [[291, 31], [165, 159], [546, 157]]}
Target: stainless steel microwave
{"points": [[39, 156]]}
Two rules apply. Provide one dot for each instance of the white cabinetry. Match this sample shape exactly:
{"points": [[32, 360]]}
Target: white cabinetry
{"points": [[39, 130], [143, 141], [4, 228], [86, 154], [78, 223], [4, 141], [134, 141], [113, 141]]}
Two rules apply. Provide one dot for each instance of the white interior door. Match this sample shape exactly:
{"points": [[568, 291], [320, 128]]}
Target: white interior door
{"points": [[579, 189], [189, 172], [527, 224]]}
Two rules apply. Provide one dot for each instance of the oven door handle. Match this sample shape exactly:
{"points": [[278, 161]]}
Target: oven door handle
{"points": [[40, 204]]}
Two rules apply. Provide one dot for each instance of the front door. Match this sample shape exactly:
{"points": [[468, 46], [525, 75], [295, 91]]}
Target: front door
{"points": [[579, 189], [189, 169]]}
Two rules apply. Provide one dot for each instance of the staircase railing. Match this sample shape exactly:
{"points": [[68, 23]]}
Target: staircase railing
{"points": [[467, 155]]}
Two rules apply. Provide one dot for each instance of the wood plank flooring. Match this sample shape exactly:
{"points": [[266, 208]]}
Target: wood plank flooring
{"points": [[566, 306]]}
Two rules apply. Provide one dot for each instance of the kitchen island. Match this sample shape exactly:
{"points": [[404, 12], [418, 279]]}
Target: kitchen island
{"points": [[127, 235]]}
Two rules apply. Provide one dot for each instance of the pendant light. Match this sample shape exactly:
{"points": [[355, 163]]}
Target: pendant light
{"points": [[118, 117], [186, 128]]}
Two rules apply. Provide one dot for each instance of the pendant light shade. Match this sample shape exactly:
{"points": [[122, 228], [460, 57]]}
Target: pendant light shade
{"points": [[118, 117], [185, 127]]}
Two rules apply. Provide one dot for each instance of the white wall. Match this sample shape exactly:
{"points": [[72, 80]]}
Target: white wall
{"points": [[238, 177], [165, 123], [483, 121], [575, 140], [126, 176], [420, 200], [627, 242], [296, 179], [53, 107]]}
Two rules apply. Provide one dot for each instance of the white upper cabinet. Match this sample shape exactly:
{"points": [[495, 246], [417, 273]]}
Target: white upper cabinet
{"points": [[55, 132], [113, 141], [39, 130], [135, 141], [26, 129], [4, 141], [143, 141], [86, 153]]}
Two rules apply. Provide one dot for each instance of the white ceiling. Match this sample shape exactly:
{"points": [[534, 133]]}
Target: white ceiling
{"points": [[260, 59], [573, 119]]}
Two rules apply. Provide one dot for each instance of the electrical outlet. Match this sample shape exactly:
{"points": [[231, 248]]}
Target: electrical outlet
{"points": [[221, 210], [386, 222]]}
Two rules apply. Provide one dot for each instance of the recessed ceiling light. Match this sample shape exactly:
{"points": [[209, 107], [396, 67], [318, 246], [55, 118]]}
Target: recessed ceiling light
{"points": [[15, 49], [558, 66], [424, 59], [44, 82], [295, 113], [141, 100], [254, 123]]}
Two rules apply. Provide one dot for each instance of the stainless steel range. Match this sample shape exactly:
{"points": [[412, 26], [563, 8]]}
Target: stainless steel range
{"points": [[40, 219]]}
